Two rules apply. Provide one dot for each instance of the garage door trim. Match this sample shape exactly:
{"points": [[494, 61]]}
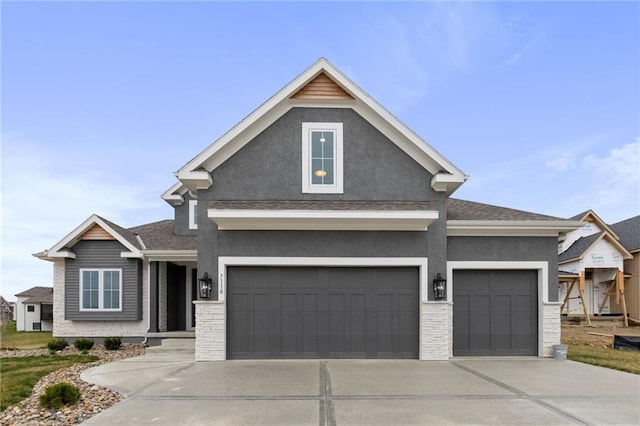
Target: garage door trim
{"points": [[543, 283], [420, 262]]}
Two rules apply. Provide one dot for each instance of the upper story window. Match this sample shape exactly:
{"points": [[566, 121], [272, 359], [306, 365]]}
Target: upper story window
{"points": [[322, 158], [100, 289], [193, 214]]}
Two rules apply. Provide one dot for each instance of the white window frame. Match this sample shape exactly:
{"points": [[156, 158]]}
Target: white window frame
{"points": [[193, 209], [307, 186], [100, 307]]}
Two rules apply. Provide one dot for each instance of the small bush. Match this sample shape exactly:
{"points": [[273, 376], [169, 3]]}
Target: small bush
{"points": [[57, 344], [112, 343], [82, 344], [55, 396]]}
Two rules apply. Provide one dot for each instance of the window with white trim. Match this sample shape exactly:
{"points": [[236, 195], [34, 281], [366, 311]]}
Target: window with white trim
{"points": [[100, 289], [322, 158], [193, 214]]}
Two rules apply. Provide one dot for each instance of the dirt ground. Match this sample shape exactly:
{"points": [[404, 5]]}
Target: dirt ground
{"points": [[584, 335]]}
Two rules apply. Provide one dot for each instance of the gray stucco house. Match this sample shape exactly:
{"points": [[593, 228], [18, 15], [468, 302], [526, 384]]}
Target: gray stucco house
{"points": [[323, 222]]}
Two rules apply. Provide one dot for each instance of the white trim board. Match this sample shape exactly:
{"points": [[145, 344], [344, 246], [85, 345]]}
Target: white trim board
{"points": [[420, 262], [543, 283], [340, 220]]}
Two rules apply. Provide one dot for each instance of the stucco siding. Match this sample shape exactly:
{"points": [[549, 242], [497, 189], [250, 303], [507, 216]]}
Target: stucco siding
{"points": [[508, 249]]}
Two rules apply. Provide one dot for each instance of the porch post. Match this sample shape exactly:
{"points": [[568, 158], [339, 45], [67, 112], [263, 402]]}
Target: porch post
{"points": [[153, 296]]}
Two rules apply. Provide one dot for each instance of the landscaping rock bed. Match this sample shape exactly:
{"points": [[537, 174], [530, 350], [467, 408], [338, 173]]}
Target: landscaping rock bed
{"points": [[93, 398]]}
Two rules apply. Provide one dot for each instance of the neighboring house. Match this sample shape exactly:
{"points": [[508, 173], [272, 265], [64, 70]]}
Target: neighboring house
{"points": [[629, 232], [6, 310], [595, 255], [323, 225], [35, 309]]}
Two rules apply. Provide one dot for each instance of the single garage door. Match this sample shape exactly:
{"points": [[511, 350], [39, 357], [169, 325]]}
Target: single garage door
{"points": [[321, 312], [495, 312]]}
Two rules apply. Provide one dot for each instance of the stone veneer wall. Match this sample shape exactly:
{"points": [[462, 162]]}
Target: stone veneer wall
{"points": [[210, 330], [67, 328], [436, 331], [551, 327]]}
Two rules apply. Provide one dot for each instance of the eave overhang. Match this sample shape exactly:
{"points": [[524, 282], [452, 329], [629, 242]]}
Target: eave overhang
{"points": [[170, 255], [195, 180], [322, 220], [520, 228]]}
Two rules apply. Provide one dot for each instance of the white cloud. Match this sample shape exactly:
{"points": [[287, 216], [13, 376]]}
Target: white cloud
{"points": [[41, 204]]}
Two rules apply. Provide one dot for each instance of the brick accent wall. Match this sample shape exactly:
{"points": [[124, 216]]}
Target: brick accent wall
{"points": [[210, 330], [66, 328], [436, 331], [551, 327]]}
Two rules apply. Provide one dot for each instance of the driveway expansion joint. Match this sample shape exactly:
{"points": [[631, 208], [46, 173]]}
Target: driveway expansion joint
{"points": [[520, 393], [327, 409]]}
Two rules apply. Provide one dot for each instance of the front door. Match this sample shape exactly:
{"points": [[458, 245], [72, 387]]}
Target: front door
{"points": [[176, 297]]}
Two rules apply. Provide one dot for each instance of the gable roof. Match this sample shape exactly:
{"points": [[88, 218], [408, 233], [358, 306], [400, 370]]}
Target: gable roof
{"points": [[629, 232], [124, 236], [591, 216], [582, 245], [195, 174], [37, 295]]}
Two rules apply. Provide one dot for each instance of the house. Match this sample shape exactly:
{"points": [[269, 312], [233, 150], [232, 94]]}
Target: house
{"points": [[35, 309], [6, 310], [629, 232], [593, 255], [324, 228]]}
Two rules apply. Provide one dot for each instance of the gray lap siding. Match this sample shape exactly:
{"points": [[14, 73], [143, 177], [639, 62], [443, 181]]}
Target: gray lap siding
{"points": [[103, 254]]}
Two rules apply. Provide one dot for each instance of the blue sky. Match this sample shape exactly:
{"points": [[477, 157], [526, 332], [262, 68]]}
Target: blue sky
{"points": [[538, 102]]}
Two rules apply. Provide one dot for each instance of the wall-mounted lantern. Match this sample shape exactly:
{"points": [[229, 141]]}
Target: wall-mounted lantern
{"points": [[205, 285], [439, 287]]}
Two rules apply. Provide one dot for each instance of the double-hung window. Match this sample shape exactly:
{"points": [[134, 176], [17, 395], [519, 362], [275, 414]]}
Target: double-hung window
{"points": [[100, 289], [322, 158]]}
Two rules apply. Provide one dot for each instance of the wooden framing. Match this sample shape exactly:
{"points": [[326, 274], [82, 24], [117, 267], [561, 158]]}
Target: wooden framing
{"points": [[616, 287], [572, 282]]}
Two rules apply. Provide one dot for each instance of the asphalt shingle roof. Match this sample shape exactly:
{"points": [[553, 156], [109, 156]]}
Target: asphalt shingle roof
{"points": [[160, 236], [38, 295], [578, 247], [629, 232], [470, 210], [126, 234]]}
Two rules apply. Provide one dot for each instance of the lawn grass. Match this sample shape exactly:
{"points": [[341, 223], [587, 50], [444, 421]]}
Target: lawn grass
{"points": [[23, 339], [616, 359], [19, 375]]}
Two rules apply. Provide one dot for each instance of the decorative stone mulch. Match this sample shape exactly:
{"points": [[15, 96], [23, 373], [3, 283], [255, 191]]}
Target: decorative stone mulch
{"points": [[93, 398]]}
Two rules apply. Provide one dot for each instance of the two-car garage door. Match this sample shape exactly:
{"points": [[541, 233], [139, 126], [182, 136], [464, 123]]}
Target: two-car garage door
{"points": [[322, 312]]}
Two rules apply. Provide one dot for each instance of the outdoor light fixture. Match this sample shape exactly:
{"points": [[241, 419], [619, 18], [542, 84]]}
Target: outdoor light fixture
{"points": [[439, 287], [205, 284]]}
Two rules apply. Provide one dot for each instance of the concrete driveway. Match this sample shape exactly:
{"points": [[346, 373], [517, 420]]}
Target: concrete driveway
{"points": [[171, 389]]}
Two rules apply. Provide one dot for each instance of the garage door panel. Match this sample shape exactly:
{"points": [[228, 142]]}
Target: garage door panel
{"points": [[326, 312], [495, 312]]}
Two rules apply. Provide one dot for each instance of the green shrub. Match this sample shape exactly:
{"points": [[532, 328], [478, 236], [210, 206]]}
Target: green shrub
{"points": [[55, 396], [112, 343], [82, 344], [57, 344]]}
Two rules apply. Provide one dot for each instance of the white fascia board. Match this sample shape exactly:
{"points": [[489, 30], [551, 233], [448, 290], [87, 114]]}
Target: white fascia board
{"points": [[174, 195], [446, 182], [176, 255], [521, 228], [195, 180], [72, 238], [322, 220], [365, 105]]}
